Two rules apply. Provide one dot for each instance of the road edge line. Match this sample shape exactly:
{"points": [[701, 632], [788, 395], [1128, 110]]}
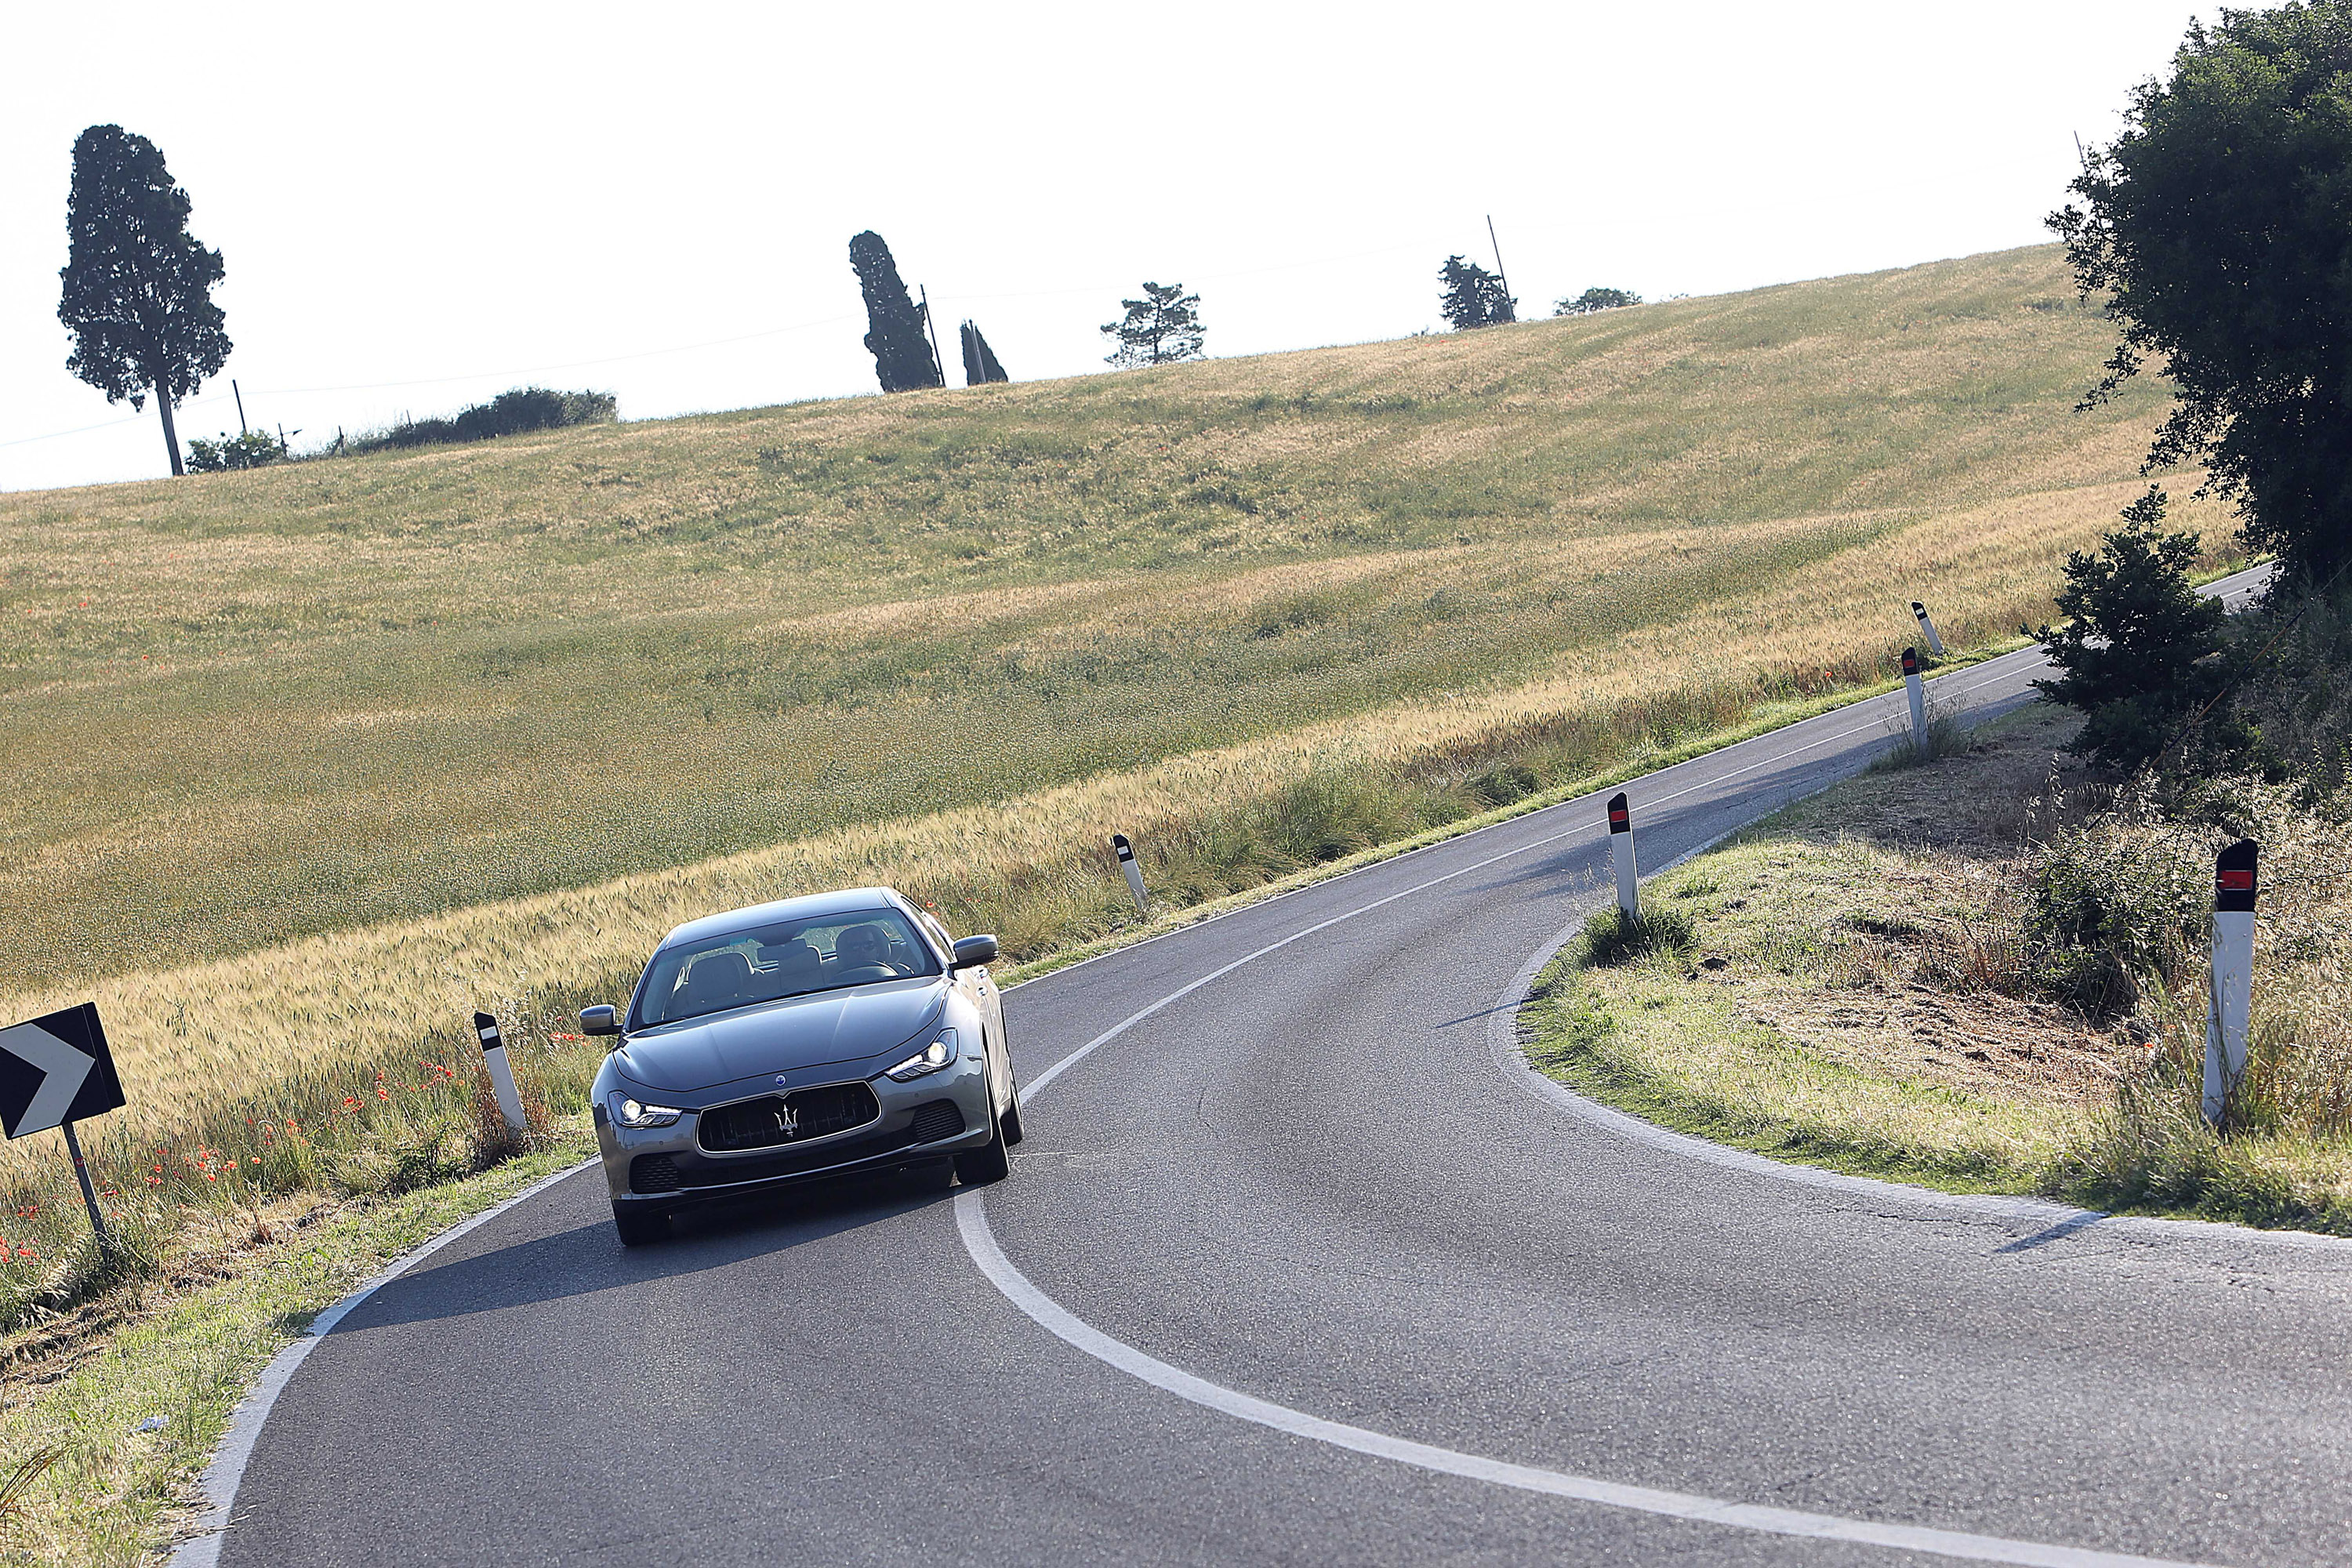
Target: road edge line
{"points": [[987, 1255], [221, 1477]]}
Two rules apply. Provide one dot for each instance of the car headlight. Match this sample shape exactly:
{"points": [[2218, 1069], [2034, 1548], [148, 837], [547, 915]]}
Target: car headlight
{"points": [[940, 1053], [633, 1113]]}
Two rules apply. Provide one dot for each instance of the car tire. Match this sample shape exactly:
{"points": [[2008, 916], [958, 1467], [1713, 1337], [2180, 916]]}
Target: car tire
{"points": [[639, 1227], [1008, 1126], [988, 1163]]}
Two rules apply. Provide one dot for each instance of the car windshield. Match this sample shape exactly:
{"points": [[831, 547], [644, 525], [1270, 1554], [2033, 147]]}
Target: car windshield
{"points": [[788, 958]]}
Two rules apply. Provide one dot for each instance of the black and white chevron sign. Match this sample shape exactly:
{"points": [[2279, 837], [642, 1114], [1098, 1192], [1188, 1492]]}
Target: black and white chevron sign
{"points": [[56, 1069]]}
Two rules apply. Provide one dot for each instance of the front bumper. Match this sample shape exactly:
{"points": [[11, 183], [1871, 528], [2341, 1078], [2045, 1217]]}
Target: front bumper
{"points": [[664, 1167]]}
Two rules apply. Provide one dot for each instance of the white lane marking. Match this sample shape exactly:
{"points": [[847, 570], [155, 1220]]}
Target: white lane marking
{"points": [[226, 1472], [972, 1223]]}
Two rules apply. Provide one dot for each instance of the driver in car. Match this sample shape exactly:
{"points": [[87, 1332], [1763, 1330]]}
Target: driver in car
{"points": [[864, 947]]}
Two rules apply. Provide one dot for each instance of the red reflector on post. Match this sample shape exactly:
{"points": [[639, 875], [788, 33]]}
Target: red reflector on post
{"points": [[2235, 881], [1910, 661]]}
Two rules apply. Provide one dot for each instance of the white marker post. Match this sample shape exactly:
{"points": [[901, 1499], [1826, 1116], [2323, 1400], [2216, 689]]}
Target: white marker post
{"points": [[494, 1057], [2234, 974], [1927, 629], [1134, 872], [1919, 701], [1621, 856]]}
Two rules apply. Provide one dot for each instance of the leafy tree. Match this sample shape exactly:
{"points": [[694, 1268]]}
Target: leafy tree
{"points": [[895, 335], [2135, 656], [2220, 225], [979, 363], [254, 449], [1592, 299], [1473, 297], [138, 287], [1161, 328]]}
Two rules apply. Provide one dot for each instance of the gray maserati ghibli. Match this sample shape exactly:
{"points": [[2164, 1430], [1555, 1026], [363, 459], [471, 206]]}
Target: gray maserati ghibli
{"points": [[812, 1037]]}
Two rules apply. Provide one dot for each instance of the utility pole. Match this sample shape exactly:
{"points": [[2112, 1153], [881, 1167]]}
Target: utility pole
{"points": [[938, 365], [1497, 247], [240, 407]]}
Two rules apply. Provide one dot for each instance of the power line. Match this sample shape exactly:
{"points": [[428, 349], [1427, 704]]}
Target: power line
{"points": [[569, 364], [107, 424]]}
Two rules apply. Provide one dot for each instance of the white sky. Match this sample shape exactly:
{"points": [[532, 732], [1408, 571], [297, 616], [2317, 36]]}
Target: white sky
{"points": [[422, 205]]}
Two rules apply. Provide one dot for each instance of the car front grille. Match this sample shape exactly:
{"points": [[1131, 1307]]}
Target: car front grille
{"points": [[939, 1118], [703, 1171], [773, 1120]]}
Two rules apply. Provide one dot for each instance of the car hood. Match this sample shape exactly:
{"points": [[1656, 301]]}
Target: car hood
{"points": [[781, 1037]]}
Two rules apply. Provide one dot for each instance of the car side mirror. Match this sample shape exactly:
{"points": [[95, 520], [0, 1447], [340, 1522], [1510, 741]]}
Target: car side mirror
{"points": [[974, 950], [599, 1021]]}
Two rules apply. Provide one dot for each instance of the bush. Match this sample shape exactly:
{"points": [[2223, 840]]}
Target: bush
{"points": [[1594, 299], [2115, 905], [2135, 653], [525, 408], [253, 450]]}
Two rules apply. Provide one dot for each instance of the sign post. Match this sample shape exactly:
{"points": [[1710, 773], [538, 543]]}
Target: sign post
{"points": [[1621, 856], [494, 1057], [1927, 629], [56, 1070], [1134, 872], [1919, 701], [2235, 886]]}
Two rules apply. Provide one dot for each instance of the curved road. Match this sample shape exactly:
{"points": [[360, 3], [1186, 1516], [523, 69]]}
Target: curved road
{"points": [[1297, 1266]]}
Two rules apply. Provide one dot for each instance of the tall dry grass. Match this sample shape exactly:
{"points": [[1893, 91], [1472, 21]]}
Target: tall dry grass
{"points": [[254, 707]]}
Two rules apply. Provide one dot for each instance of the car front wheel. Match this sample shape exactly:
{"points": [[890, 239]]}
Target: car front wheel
{"points": [[988, 1163], [639, 1225]]}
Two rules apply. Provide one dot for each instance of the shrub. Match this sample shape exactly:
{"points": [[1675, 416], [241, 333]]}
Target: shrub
{"points": [[2134, 655], [2114, 905], [525, 408], [253, 450]]}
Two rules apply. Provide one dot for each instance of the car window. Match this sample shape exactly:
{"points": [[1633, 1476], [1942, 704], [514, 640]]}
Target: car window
{"points": [[788, 958]]}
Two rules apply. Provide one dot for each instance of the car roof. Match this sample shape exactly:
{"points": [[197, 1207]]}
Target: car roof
{"points": [[840, 901]]}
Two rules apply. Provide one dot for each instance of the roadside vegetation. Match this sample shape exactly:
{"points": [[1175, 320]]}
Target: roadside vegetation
{"points": [[1951, 973], [1986, 974]]}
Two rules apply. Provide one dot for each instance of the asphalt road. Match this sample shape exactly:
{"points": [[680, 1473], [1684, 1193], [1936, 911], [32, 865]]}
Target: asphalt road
{"points": [[1294, 1268]]}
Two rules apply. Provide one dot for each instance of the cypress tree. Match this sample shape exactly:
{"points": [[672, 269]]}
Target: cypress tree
{"points": [[979, 364], [138, 287], [902, 355], [1474, 296]]}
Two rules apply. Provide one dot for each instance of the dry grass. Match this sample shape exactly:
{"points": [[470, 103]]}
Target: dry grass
{"points": [[1873, 984], [292, 702]]}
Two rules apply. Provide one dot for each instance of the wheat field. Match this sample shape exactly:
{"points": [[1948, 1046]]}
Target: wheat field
{"points": [[306, 755]]}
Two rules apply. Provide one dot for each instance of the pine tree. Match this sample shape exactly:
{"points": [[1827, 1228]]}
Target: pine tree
{"points": [[1474, 296], [979, 364], [1161, 328], [902, 352], [138, 287]]}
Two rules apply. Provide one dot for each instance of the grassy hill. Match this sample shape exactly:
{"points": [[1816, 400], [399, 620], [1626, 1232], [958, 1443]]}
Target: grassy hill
{"points": [[249, 707], [313, 757]]}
